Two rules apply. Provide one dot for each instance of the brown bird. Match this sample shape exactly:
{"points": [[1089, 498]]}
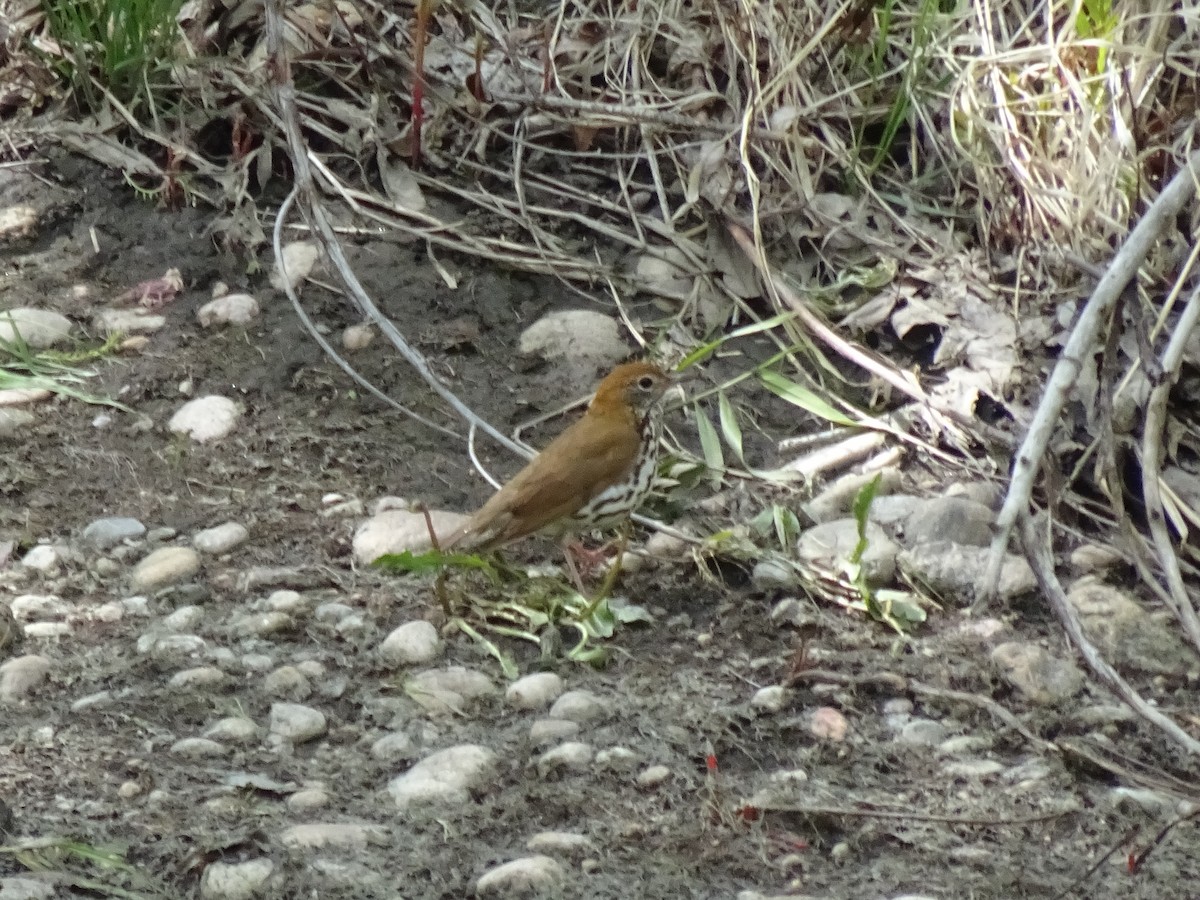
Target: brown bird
{"points": [[593, 475]]}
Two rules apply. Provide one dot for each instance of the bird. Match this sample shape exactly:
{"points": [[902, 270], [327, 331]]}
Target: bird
{"points": [[594, 475]]}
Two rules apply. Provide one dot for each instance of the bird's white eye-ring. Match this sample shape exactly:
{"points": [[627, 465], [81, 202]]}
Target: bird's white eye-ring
{"points": [[645, 382]]}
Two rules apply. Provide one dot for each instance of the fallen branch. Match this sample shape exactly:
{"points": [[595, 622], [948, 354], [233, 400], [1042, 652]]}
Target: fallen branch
{"points": [[1082, 342]]}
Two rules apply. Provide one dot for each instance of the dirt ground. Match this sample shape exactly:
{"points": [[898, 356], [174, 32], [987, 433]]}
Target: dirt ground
{"points": [[993, 815]]}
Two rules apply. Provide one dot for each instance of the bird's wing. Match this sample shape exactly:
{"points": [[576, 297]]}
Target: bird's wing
{"points": [[577, 465]]}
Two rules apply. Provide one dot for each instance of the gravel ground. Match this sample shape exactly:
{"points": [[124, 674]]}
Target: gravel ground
{"points": [[199, 678]]}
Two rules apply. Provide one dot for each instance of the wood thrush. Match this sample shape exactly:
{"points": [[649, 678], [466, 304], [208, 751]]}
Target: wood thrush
{"points": [[593, 475]]}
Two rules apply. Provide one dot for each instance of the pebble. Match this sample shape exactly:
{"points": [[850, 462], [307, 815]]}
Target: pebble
{"points": [[220, 538], [17, 222], [392, 747], [617, 759], [127, 321], [308, 800], [950, 519], [770, 699], [231, 309], [287, 602], [42, 558], [198, 748], [45, 630], [166, 565], [548, 731], [772, 575], [828, 724], [535, 691], [236, 881], [198, 677], [264, 624], [449, 689], [186, 618], [296, 262], [167, 647], [411, 644], [578, 706], [39, 606], [98, 700], [206, 418], [583, 336], [954, 570], [15, 422], [1042, 677], [572, 756], [530, 876], [561, 843], [233, 730], [296, 723], [1126, 634], [972, 768], [653, 776], [20, 675], [922, 733], [357, 337], [444, 780], [397, 530], [341, 835], [39, 328], [289, 682], [665, 546]]}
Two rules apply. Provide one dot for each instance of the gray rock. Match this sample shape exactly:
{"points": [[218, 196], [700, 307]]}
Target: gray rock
{"points": [[206, 419], [1127, 635], [1039, 675], [528, 877], [578, 706], [954, 519], [953, 572], [573, 756], [236, 881], [167, 565], [341, 835], [39, 328], [444, 780], [198, 748], [20, 675], [296, 723], [397, 530], [830, 546], [561, 843], [220, 538], [14, 423], [772, 575], [108, 532], [578, 335], [411, 644], [536, 691]]}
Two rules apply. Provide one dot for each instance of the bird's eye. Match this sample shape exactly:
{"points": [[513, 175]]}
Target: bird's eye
{"points": [[645, 382]]}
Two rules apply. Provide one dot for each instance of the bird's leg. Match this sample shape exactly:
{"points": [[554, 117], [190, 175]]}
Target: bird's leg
{"points": [[569, 548], [610, 579]]}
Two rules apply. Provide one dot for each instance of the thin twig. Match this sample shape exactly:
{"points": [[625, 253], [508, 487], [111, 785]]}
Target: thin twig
{"points": [[1037, 551], [1081, 342]]}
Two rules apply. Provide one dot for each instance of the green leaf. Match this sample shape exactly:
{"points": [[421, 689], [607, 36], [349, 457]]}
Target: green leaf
{"points": [[511, 672], [862, 508], [710, 444], [787, 527], [431, 561], [803, 398], [729, 426]]}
